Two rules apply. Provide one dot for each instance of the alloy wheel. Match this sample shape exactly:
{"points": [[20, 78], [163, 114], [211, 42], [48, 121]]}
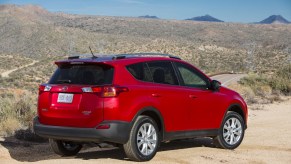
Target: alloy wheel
{"points": [[146, 139]]}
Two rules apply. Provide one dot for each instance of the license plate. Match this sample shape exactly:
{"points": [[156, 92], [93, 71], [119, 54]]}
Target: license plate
{"points": [[65, 98]]}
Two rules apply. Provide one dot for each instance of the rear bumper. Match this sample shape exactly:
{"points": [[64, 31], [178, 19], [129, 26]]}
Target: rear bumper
{"points": [[117, 133]]}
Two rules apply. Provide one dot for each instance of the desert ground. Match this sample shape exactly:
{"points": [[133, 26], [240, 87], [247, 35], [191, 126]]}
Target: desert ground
{"points": [[267, 140]]}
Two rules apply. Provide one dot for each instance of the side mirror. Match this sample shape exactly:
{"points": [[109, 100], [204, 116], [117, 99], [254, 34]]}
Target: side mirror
{"points": [[215, 85]]}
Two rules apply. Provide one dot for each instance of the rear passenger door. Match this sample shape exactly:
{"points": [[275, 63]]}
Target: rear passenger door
{"points": [[172, 100]]}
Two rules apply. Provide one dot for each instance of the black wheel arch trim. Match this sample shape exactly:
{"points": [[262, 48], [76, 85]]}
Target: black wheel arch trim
{"points": [[240, 108], [157, 112]]}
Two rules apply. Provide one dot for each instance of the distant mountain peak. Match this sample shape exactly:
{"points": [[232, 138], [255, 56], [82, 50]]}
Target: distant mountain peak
{"points": [[149, 16], [274, 19], [206, 18]]}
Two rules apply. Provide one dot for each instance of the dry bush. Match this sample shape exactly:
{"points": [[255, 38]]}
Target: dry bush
{"points": [[17, 109], [263, 84], [263, 91], [269, 88], [245, 91], [9, 126]]}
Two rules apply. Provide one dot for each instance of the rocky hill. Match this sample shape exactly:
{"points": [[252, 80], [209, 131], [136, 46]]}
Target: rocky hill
{"points": [[33, 32], [274, 19], [205, 18], [149, 17]]}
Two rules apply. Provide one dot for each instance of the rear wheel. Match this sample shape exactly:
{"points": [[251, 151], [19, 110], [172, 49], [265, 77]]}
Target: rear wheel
{"points": [[144, 140], [231, 133], [65, 148]]}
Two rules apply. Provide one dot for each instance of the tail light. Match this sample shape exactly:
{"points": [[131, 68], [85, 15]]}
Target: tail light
{"points": [[106, 91], [44, 88], [92, 89]]}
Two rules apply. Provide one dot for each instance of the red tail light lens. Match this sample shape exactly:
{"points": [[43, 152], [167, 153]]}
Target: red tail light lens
{"points": [[109, 92], [106, 91], [113, 91], [92, 89], [44, 88]]}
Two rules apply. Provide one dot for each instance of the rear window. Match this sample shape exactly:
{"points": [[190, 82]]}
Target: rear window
{"points": [[140, 71], [83, 75]]}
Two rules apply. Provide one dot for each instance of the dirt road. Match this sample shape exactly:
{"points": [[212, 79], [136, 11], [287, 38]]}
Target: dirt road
{"points": [[267, 140], [6, 73], [227, 79]]}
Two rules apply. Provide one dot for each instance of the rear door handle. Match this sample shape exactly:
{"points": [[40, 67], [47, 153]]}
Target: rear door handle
{"points": [[156, 95], [192, 96]]}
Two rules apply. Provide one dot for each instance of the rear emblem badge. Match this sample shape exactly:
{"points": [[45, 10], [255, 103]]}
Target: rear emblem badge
{"points": [[65, 88], [86, 113]]}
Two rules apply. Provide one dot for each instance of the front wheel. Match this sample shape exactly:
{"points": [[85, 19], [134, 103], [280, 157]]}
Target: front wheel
{"points": [[231, 133], [144, 140], [65, 148]]}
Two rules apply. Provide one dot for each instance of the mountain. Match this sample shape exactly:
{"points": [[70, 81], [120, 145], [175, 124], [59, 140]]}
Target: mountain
{"points": [[149, 16], [274, 19], [34, 32], [205, 18]]}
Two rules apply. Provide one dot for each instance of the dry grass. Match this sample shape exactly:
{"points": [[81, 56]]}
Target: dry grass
{"points": [[264, 85], [8, 62], [265, 88], [9, 125], [246, 92], [17, 109]]}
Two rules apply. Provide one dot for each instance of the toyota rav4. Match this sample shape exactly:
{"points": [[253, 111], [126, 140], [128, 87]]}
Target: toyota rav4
{"points": [[136, 101]]}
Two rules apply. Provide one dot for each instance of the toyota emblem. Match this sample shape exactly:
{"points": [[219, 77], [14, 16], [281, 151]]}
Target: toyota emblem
{"points": [[65, 88]]}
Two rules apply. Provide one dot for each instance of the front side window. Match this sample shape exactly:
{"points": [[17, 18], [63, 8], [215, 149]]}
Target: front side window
{"points": [[163, 72], [191, 77]]}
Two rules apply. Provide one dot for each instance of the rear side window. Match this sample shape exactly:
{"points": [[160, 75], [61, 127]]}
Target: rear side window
{"points": [[140, 71], [83, 75], [163, 72]]}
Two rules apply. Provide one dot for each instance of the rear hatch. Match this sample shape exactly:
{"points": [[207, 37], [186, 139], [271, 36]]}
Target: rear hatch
{"points": [[72, 96]]}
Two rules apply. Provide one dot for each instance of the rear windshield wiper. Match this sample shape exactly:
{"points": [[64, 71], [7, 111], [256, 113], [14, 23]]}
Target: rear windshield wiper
{"points": [[64, 81]]}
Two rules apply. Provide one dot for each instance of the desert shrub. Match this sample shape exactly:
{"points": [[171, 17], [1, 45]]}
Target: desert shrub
{"points": [[285, 72], [17, 110], [263, 90], [270, 86], [245, 91], [282, 80], [9, 125]]}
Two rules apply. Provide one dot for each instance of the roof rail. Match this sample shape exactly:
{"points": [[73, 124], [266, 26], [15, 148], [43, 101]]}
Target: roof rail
{"points": [[122, 56], [73, 57]]}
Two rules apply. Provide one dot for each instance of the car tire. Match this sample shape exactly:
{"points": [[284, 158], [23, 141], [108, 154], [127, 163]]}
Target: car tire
{"points": [[231, 132], [144, 140], [65, 148]]}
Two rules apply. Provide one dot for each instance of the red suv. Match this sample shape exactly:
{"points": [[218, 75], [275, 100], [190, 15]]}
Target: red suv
{"points": [[138, 101]]}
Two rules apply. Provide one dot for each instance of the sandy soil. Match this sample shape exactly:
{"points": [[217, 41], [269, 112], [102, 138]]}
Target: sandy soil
{"points": [[267, 140]]}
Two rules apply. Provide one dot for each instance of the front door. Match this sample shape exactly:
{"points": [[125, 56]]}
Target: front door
{"points": [[204, 103]]}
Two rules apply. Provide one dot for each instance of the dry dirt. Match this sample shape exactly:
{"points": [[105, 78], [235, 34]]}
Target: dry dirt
{"points": [[267, 140], [6, 73]]}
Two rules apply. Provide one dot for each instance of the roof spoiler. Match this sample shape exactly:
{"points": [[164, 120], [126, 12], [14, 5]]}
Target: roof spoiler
{"points": [[123, 56]]}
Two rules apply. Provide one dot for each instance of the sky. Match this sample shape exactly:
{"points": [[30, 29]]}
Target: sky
{"points": [[244, 11]]}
